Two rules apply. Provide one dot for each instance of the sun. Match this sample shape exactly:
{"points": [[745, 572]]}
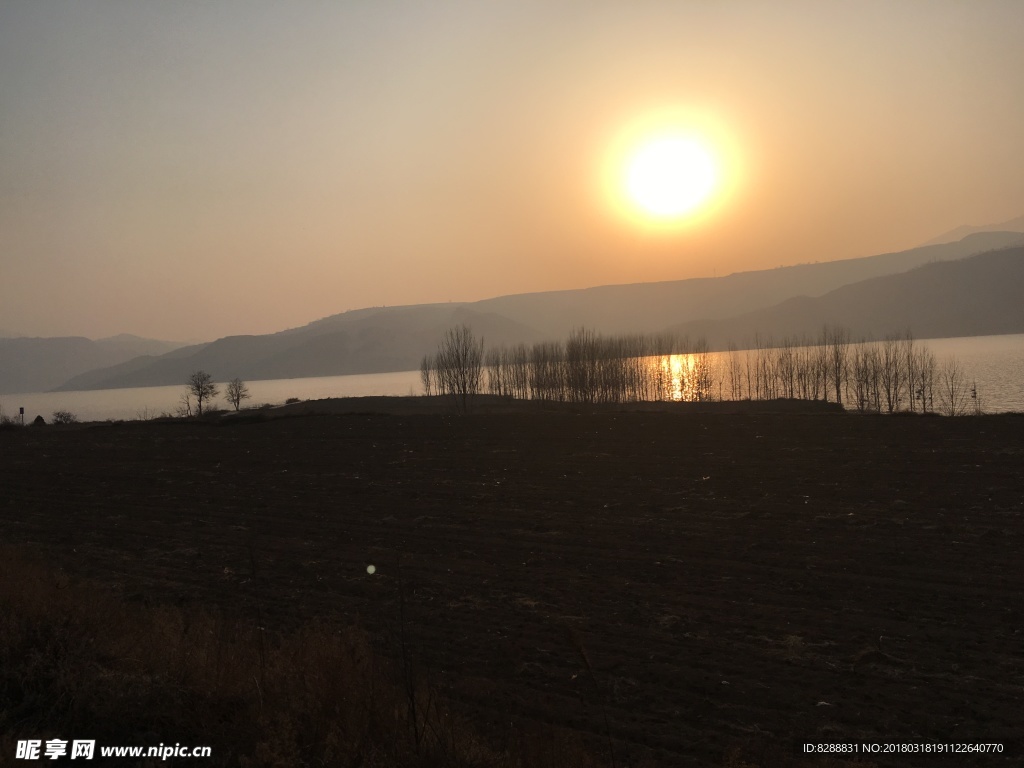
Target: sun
{"points": [[670, 177], [671, 170]]}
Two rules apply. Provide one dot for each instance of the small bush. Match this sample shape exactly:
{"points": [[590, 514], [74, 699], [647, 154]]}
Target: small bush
{"points": [[291, 400]]}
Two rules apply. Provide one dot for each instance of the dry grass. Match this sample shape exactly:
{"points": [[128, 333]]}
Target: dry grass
{"points": [[77, 663]]}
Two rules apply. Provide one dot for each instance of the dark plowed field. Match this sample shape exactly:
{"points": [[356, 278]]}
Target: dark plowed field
{"points": [[729, 579]]}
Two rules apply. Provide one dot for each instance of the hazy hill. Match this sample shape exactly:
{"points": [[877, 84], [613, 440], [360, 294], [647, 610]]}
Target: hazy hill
{"points": [[646, 307], [362, 341], [976, 296], [395, 338], [34, 364], [1013, 225], [129, 344]]}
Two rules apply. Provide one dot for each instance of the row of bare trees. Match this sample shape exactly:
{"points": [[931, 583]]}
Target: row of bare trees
{"points": [[587, 368], [897, 373]]}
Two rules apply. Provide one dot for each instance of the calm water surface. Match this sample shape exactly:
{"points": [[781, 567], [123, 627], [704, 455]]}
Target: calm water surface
{"points": [[995, 363]]}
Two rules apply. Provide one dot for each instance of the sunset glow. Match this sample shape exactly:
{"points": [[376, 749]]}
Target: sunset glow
{"points": [[672, 168], [407, 153]]}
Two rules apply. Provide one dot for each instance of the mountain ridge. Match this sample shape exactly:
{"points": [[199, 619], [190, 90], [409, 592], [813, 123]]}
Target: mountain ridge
{"points": [[1013, 225], [975, 296], [379, 339], [33, 364]]}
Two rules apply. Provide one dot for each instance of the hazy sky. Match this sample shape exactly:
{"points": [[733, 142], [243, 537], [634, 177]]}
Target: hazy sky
{"points": [[188, 170]]}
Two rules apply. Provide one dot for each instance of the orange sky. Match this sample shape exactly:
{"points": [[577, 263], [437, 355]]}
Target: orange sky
{"points": [[188, 171]]}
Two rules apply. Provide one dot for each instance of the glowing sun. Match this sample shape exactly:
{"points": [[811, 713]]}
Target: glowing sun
{"points": [[671, 170], [670, 177]]}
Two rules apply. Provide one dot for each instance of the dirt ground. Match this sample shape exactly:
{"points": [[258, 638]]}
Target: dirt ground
{"points": [[686, 583]]}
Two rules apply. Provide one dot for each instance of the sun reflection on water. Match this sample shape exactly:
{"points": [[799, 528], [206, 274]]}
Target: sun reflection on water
{"points": [[686, 377]]}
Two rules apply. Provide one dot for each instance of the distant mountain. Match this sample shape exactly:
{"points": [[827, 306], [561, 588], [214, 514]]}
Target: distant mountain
{"points": [[34, 364], [648, 307], [128, 344], [395, 338], [976, 296], [362, 341], [1013, 225]]}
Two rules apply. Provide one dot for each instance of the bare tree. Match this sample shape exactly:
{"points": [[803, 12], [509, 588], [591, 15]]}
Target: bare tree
{"points": [[924, 378], [184, 409], [954, 391], [459, 365], [427, 374], [837, 340], [864, 375], [547, 379], [519, 373], [786, 367], [237, 392], [201, 386], [581, 358], [702, 373], [893, 372]]}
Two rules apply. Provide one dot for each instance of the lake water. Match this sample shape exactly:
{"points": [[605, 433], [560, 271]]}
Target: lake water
{"points": [[147, 402], [994, 363]]}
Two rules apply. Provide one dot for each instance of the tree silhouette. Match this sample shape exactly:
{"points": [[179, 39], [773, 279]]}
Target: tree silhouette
{"points": [[458, 365], [237, 392], [200, 384]]}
